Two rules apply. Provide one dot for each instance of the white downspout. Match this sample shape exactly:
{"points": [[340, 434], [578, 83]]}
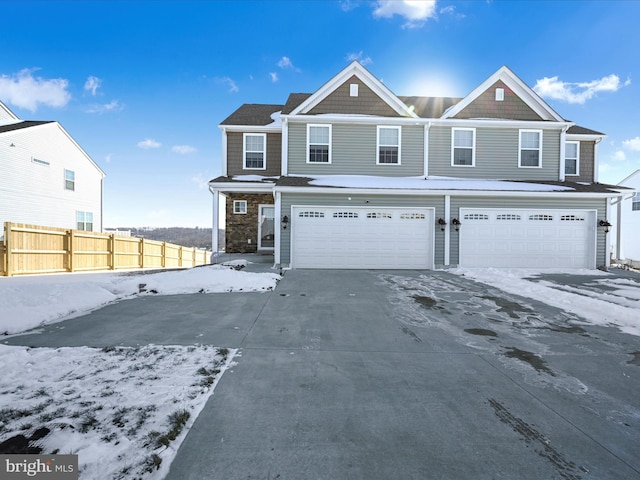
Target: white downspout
{"points": [[426, 149], [447, 230], [595, 161], [607, 238], [563, 141], [284, 167]]}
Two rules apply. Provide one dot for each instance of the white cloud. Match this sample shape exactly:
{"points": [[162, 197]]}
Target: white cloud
{"points": [[92, 84], [577, 92], [285, 62], [24, 90], [619, 156], [233, 88], [348, 5], [415, 12], [632, 144], [200, 181], [364, 60], [183, 149], [113, 106], [148, 143], [274, 76]]}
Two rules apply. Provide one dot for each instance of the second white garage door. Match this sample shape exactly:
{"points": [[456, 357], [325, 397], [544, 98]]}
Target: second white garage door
{"points": [[361, 237], [527, 238]]}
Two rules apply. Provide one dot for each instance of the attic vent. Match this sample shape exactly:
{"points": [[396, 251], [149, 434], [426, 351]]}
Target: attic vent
{"points": [[499, 94], [353, 89]]}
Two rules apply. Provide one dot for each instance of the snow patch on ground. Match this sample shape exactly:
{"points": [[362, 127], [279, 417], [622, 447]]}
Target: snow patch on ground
{"points": [[617, 305], [123, 411], [30, 301]]}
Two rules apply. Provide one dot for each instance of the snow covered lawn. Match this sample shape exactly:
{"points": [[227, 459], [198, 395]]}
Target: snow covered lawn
{"points": [[29, 301], [123, 411], [605, 300]]}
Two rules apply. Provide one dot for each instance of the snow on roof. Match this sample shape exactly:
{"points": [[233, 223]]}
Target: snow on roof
{"points": [[430, 183]]}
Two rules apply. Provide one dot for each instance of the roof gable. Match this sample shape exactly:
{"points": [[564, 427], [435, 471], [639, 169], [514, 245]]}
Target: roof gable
{"points": [[632, 180], [518, 93], [334, 89], [6, 114], [20, 125]]}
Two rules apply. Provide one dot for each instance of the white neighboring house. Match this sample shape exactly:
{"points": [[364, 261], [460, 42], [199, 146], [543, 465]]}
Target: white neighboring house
{"points": [[628, 222], [46, 178]]}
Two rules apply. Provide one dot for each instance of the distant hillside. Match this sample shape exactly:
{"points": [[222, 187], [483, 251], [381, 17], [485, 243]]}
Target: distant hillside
{"points": [[187, 237]]}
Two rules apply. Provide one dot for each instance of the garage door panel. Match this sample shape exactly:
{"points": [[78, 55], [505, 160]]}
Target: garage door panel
{"points": [[362, 237], [527, 238]]}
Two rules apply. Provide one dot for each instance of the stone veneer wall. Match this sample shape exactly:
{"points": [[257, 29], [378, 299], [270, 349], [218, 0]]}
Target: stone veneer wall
{"points": [[244, 227]]}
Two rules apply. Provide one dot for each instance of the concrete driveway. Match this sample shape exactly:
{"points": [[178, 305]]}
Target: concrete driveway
{"points": [[378, 374]]}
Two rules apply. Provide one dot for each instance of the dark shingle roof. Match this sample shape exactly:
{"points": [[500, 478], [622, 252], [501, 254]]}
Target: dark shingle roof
{"points": [[20, 125], [252, 114], [294, 100], [429, 107], [577, 130], [235, 179]]}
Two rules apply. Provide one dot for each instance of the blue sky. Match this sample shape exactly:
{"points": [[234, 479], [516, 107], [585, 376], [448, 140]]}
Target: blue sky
{"points": [[142, 86]]}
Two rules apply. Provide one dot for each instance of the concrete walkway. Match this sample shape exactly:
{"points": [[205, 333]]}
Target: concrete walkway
{"points": [[382, 374]]}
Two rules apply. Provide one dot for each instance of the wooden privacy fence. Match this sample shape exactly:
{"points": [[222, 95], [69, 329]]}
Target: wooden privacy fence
{"points": [[29, 249]]}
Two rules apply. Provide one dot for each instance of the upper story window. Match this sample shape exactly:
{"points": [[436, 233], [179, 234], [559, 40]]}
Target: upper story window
{"points": [[389, 145], [84, 221], [463, 147], [318, 143], [255, 151], [572, 158], [530, 149], [635, 202], [69, 180]]}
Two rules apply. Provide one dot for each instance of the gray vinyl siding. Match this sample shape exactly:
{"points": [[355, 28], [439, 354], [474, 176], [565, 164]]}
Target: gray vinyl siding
{"points": [[520, 202], [235, 160], [353, 152], [496, 155], [287, 200]]}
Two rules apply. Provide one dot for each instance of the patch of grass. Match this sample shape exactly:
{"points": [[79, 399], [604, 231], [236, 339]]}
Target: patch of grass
{"points": [[50, 416], [89, 422], [119, 417], [177, 421], [152, 463], [41, 392], [224, 352]]}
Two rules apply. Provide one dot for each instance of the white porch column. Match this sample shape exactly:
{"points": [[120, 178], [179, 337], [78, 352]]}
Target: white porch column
{"points": [[277, 226], [284, 166], [215, 247], [447, 230]]}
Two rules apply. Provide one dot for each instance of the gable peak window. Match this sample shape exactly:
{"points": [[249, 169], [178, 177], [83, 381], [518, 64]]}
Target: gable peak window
{"points": [[463, 147], [389, 145], [572, 158], [318, 143], [69, 180], [499, 94], [255, 151], [530, 149]]}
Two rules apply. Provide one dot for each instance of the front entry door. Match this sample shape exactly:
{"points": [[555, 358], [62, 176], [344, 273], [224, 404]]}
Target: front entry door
{"points": [[266, 230]]}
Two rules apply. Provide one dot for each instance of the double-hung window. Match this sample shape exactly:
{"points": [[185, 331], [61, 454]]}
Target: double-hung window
{"points": [[572, 158], [69, 180], [84, 221], [318, 143], [530, 149], [463, 147], [389, 145], [239, 207], [255, 151], [635, 202]]}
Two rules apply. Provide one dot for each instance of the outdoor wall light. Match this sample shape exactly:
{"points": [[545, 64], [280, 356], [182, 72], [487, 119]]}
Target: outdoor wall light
{"points": [[605, 224], [285, 222], [442, 223], [456, 223]]}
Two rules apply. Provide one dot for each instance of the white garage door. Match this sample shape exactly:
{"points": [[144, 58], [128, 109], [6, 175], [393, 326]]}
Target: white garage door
{"points": [[372, 237], [527, 238]]}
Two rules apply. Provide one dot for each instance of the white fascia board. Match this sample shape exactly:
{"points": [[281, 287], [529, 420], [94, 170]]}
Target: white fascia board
{"points": [[493, 123], [430, 193], [531, 98], [251, 128], [6, 109], [76, 145], [626, 179], [244, 187], [355, 68], [576, 137]]}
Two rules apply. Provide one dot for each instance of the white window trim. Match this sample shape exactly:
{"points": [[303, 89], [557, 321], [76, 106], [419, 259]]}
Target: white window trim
{"points": [[236, 204], [245, 151], [325, 125], [526, 130], [453, 147], [635, 199], [577, 160], [65, 180], [378, 145]]}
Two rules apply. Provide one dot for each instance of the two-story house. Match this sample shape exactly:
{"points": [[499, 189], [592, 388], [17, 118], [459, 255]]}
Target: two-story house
{"points": [[354, 176], [46, 178]]}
